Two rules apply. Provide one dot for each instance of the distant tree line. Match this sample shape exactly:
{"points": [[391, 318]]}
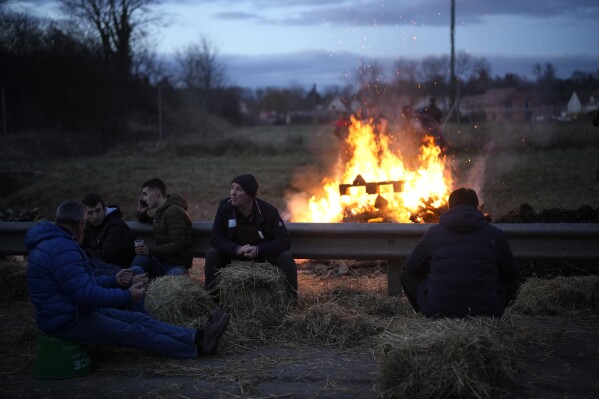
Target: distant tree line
{"points": [[94, 74]]}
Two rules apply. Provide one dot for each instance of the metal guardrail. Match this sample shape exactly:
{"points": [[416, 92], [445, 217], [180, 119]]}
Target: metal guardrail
{"points": [[385, 241]]}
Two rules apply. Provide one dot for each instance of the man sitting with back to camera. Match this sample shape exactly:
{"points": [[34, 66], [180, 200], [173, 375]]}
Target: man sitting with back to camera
{"points": [[72, 304], [171, 253], [248, 228], [108, 240], [462, 266]]}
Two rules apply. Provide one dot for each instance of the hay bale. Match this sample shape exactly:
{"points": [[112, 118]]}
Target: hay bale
{"points": [[13, 280], [558, 296], [444, 358], [330, 323], [380, 305], [252, 290], [178, 300]]}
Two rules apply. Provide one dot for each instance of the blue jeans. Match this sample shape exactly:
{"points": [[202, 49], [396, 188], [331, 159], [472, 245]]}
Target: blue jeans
{"points": [[156, 267], [115, 327], [101, 268]]}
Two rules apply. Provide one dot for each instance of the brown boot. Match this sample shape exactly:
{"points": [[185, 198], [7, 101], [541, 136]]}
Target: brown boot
{"points": [[208, 336], [215, 314]]}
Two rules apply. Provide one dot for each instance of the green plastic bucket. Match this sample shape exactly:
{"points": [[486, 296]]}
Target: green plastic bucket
{"points": [[57, 358]]}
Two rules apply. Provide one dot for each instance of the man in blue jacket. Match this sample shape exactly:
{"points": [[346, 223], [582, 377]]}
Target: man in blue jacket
{"points": [[248, 228], [71, 304], [462, 266]]}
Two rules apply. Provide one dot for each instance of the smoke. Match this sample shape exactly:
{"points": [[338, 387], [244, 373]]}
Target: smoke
{"points": [[475, 176]]}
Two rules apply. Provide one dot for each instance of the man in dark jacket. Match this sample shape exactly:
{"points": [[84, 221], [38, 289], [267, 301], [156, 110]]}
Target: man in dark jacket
{"points": [[171, 253], [433, 111], [462, 266], [248, 228], [71, 304], [108, 240]]}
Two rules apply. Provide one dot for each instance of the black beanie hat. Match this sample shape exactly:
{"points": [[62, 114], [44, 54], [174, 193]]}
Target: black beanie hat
{"points": [[248, 183], [463, 196]]}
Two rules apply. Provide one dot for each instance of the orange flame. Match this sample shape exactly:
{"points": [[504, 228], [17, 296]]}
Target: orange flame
{"points": [[368, 154]]}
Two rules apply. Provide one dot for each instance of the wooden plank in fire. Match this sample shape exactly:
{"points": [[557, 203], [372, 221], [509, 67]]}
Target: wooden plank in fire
{"points": [[371, 187]]}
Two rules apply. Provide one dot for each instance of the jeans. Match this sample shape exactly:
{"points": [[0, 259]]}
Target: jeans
{"points": [[411, 285], [101, 268], [115, 327], [216, 261], [156, 267]]}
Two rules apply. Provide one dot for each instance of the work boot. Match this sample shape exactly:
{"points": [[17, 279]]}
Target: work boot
{"points": [[215, 314], [207, 337]]}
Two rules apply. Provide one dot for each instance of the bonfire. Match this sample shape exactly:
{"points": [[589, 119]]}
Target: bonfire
{"points": [[372, 182]]}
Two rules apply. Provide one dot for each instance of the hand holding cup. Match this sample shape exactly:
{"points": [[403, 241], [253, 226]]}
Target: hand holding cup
{"points": [[141, 248]]}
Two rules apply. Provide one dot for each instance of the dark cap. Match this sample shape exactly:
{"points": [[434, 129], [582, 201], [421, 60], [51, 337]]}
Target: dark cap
{"points": [[248, 183], [463, 196]]}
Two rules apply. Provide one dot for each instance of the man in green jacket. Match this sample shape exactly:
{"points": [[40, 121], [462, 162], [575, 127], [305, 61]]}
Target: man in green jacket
{"points": [[171, 253]]}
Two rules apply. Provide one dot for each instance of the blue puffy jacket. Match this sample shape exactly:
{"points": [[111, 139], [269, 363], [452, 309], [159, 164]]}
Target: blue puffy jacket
{"points": [[59, 279], [467, 262]]}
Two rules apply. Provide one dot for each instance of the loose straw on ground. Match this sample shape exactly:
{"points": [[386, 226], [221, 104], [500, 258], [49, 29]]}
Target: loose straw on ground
{"points": [[13, 280], [328, 323]]}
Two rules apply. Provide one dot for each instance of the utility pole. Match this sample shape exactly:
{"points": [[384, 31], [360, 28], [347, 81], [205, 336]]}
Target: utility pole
{"points": [[452, 83], [3, 111], [160, 112]]}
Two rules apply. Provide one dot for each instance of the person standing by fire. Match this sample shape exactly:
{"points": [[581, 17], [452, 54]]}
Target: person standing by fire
{"points": [[342, 126], [431, 119], [248, 228], [461, 267]]}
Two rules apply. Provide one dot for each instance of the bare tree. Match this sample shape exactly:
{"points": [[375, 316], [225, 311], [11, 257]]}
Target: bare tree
{"points": [[118, 24], [545, 73], [405, 70], [201, 70], [371, 81], [434, 69]]}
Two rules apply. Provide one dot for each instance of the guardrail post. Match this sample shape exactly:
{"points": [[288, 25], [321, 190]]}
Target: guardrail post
{"points": [[394, 268]]}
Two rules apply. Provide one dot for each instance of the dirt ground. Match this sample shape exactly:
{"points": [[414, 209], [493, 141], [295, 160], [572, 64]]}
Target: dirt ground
{"points": [[557, 357]]}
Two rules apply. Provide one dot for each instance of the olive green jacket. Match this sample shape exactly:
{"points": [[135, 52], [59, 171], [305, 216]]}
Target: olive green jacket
{"points": [[172, 232]]}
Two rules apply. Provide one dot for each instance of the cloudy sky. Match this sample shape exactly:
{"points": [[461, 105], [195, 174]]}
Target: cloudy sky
{"points": [[285, 42]]}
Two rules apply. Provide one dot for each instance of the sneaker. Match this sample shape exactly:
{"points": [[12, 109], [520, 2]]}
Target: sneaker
{"points": [[212, 333]]}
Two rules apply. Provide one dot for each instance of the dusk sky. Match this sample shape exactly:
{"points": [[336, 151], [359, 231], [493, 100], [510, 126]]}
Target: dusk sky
{"points": [[301, 42]]}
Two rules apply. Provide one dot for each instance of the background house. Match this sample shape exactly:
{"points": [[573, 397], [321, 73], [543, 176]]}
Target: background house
{"points": [[582, 102], [502, 105]]}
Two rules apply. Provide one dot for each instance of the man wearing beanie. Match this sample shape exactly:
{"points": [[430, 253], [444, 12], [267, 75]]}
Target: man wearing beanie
{"points": [[248, 228]]}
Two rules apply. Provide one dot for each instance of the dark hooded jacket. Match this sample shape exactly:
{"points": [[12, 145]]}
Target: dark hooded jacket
{"points": [[59, 279], [275, 237], [172, 229], [467, 262], [111, 241]]}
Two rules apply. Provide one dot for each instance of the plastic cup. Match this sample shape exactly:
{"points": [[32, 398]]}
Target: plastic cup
{"points": [[137, 243]]}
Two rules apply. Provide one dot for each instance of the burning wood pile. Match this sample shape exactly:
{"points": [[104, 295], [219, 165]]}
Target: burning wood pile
{"points": [[374, 183]]}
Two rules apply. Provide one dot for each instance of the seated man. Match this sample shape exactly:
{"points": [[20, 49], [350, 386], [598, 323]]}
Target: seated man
{"points": [[108, 240], [248, 228], [71, 304], [172, 252], [462, 266]]}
